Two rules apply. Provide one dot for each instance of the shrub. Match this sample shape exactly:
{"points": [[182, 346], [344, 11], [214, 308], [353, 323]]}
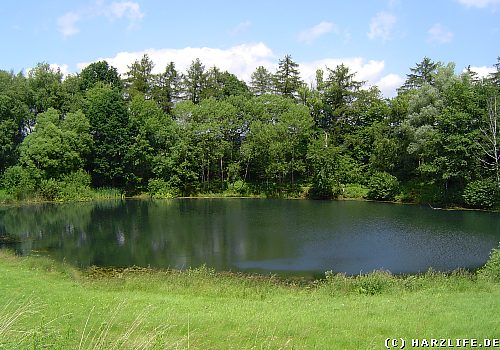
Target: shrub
{"points": [[491, 270], [239, 187], [21, 182], [339, 282], [49, 189], [159, 188], [374, 283], [354, 191], [5, 197], [323, 190], [481, 194], [383, 186], [75, 186]]}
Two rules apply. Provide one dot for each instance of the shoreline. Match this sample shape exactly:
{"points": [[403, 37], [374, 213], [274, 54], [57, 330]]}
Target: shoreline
{"points": [[145, 196]]}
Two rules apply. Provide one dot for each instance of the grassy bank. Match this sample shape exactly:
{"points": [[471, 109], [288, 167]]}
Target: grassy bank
{"points": [[45, 304], [88, 194]]}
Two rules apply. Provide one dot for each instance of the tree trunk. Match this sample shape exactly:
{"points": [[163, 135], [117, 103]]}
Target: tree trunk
{"points": [[246, 170], [221, 173], [491, 146]]}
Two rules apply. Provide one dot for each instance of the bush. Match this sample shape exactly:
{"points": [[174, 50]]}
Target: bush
{"points": [[5, 197], [481, 194], [239, 187], [159, 188], [323, 190], [374, 283], [339, 283], [354, 191], [49, 189], [21, 182], [75, 186], [491, 270], [383, 186]]}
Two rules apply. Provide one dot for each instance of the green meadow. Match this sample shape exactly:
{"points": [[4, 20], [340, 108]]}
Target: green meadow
{"points": [[50, 305]]}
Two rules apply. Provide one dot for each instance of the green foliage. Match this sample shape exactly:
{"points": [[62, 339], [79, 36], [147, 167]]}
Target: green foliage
{"points": [[383, 186], [5, 197], [340, 92], [421, 192], [238, 188], [109, 126], [21, 182], [373, 283], [423, 73], [287, 80], [57, 147], [99, 72], [167, 88], [482, 194], [160, 189], [221, 85], [491, 270], [202, 131], [276, 143], [140, 78], [49, 189], [194, 81], [14, 116], [354, 191], [46, 86], [75, 186], [261, 81], [324, 160]]}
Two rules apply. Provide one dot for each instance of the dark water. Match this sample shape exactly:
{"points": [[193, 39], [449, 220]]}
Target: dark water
{"points": [[290, 237]]}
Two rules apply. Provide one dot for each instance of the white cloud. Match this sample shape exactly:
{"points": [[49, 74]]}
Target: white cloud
{"points": [[483, 71], [479, 3], [117, 10], [63, 68], [311, 34], [124, 9], [240, 28], [381, 26], [66, 24], [439, 34], [389, 83]]}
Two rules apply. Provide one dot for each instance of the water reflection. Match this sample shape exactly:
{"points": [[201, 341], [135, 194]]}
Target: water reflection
{"points": [[280, 236]]}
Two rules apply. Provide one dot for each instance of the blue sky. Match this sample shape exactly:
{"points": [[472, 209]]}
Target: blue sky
{"points": [[379, 39]]}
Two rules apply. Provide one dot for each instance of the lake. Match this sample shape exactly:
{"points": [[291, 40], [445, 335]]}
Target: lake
{"points": [[286, 237]]}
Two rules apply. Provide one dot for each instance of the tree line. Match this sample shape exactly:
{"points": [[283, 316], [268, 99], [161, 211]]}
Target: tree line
{"points": [[206, 131]]}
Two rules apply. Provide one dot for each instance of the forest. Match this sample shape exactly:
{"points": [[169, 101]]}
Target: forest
{"points": [[204, 131]]}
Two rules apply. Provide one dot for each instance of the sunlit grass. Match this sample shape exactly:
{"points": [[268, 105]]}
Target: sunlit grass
{"points": [[46, 304]]}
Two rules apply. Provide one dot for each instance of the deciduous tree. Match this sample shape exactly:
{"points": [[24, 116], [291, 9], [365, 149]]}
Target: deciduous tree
{"points": [[109, 126]]}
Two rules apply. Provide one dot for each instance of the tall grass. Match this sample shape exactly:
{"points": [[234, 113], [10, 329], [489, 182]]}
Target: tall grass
{"points": [[13, 312], [105, 193], [134, 336], [95, 334]]}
